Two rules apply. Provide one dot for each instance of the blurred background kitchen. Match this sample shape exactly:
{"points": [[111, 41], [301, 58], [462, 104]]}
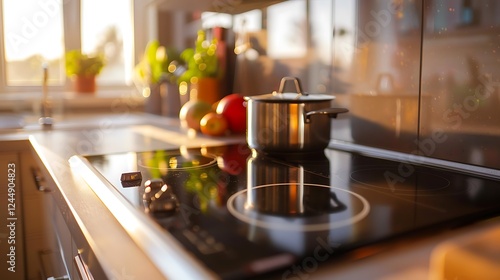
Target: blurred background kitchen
{"points": [[418, 76]]}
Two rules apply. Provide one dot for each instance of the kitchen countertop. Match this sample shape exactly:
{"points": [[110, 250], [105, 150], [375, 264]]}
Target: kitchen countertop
{"points": [[119, 255]]}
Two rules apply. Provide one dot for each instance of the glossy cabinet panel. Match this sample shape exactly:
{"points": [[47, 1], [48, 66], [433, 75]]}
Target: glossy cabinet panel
{"points": [[460, 81], [272, 44], [420, 77], [376, 68]]}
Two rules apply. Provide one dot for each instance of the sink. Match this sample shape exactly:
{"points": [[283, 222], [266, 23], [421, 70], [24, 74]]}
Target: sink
{"points": [[17, 122], [11, 121], [27, 123]]}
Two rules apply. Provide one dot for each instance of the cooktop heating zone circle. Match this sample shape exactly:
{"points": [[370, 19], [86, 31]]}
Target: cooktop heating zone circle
{"points": [[357, 208]]}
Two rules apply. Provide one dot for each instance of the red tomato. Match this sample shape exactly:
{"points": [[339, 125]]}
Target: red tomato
{"points": [[213, 124], [233, 108]]}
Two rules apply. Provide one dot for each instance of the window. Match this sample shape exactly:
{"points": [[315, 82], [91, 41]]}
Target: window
{"points": [[33, 34], [110, 35], [40, 31]]}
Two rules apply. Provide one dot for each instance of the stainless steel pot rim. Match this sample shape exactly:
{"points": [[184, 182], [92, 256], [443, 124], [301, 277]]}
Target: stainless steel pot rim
{"points": [[290, 97]]}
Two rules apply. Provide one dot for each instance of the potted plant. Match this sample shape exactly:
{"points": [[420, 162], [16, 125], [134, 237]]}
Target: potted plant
{"points": [[82, 69], [155, 82], [202, 69], [153, 68]]}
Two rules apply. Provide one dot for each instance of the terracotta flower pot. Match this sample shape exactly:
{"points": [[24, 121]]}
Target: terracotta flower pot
{"points": [[205, 89], [84, 84]]}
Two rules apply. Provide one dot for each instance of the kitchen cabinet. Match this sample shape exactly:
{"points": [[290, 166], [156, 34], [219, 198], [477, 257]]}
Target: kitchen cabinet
{"points": [[65, 243], [30, 250], [69, 248], [38, 242], [42, 254], [11, 238], [57, 260], [27, 240]]}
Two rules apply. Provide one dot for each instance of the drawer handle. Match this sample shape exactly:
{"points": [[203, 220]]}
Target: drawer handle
{"points": [[39, 180], [82, 269], [43, 255]]}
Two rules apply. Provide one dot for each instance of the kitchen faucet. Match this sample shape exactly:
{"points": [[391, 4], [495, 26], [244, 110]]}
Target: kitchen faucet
{"points": [[46, 119]]}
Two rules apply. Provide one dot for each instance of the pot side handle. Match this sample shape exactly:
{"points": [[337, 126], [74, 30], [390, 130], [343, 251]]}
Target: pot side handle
{"points": [[330, 112]]}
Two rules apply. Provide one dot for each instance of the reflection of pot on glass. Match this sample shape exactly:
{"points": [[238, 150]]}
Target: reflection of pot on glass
{"points": [[282, 190]]}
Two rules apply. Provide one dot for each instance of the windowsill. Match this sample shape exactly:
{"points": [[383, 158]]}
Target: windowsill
{"points": [[101, 100]]}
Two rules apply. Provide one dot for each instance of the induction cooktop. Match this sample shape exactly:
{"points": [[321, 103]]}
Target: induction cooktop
{"points": [[243, 214]]}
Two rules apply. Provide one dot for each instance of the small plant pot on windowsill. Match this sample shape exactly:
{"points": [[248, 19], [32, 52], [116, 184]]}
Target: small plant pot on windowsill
{"points": [[83, 68], [84, 84]]}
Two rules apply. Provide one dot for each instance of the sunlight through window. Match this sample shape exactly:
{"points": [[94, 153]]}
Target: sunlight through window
{"points": [[33, 34], [109, 35]]}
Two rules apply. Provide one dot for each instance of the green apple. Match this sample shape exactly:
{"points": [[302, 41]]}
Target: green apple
{"points": [[192, 112]]}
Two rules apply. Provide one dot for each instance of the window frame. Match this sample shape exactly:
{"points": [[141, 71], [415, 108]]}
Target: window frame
{"points": [[72, 40]]}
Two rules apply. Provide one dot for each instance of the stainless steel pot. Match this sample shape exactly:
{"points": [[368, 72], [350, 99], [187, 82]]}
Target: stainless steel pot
{"points": [[284, 123]]}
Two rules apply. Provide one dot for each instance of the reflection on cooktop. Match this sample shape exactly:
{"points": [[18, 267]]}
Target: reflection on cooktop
{"points": [[389, 178], [175, 161]]}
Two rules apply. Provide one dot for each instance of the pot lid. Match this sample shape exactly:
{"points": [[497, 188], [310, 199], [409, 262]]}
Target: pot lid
{"points": [[290, 97]]}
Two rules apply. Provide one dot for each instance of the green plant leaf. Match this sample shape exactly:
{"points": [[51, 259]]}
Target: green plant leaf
{"points": [[81, 64]]}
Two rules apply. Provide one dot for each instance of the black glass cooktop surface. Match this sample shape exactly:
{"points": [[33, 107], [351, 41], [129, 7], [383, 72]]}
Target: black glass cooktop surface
{"points": [[243, 214]]}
